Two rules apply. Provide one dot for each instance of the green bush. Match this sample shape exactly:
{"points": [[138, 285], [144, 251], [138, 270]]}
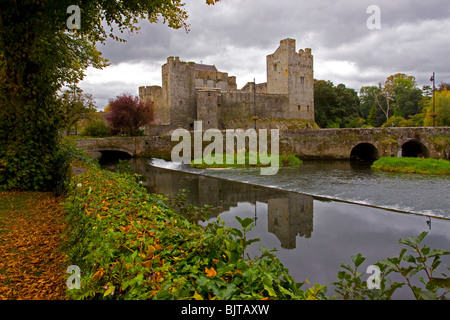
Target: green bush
{"points": [[96, 128], [422, 264], [130, 244]]}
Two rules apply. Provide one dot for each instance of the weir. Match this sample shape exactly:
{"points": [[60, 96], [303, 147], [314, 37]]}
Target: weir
{"points": [[368, 143]]}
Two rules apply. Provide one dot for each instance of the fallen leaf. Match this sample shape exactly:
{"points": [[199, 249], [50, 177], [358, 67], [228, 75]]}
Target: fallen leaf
{"points": [[210, 272]]}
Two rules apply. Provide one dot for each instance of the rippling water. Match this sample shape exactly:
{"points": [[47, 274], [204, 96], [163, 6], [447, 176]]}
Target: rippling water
{"points": [[415, 193], [313, 236]]}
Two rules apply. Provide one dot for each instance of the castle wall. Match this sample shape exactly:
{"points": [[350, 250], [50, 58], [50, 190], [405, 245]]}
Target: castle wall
{"points": [[277, 66], [239, 105], [212, 79], [301, 86], [291, 73], [154, 94], [288, 93], [207, 105], [181, 95]]}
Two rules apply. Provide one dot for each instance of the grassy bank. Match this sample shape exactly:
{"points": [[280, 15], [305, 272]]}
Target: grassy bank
{"points": [[130, 244], [412, 165], [251, 160]]}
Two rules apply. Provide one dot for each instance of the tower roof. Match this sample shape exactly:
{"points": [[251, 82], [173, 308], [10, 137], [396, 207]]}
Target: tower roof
{"points": [[205, 67]]}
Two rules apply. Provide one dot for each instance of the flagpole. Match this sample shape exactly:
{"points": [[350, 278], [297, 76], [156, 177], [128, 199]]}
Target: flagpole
{"points": [[434, 100], [433, 115]]}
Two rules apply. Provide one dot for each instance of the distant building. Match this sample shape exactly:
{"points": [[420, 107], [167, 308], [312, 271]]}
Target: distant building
{"points": [[192, 92]]}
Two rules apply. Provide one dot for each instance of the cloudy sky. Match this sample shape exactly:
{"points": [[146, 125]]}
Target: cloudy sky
{"points": [[236, 36]]}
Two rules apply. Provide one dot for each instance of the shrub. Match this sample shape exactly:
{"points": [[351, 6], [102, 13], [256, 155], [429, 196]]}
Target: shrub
{"points": [[96, 128], [422, 263], [128, 113], [130, 244]]}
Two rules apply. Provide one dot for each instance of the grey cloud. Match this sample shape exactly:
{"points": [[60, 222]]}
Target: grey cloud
{"points": [[236, 35]]}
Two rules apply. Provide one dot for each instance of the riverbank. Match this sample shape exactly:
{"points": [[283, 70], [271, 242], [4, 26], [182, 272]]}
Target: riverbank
{"points": [[32, 266], [412, 165], [129, 244], [249, 160]]}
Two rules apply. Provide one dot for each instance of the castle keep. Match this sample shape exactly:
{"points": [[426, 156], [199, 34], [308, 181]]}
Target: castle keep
{"points": [[197, 92]]}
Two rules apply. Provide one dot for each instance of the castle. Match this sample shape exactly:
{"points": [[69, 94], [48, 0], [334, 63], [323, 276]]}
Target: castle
{"points": [[193, 92]]}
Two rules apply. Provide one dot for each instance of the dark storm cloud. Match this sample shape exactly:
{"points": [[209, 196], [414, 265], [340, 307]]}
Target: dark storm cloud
{"points": [[236, 36]]}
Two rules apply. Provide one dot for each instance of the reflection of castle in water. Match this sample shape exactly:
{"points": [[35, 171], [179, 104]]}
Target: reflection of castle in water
{"points": [[289, 214], [289, 217]]}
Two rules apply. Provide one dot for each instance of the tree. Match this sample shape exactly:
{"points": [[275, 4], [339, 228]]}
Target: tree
{"points": [[442, 109], [128, 113], [398, 96], [384, 99], [39, 55], [75, 106], [335, 107], [443, 86], [406, 95], [427, 91], [324, 101], [369, 108]]}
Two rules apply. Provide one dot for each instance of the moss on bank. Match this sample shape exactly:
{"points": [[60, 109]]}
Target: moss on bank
{"points": [[251, 160], [412, 165]]}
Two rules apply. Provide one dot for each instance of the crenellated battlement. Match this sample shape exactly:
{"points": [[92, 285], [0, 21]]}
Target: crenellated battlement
{"points": [[185, 94]]}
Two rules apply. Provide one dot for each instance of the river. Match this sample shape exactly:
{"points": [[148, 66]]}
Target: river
{"points": [[318, 215]]}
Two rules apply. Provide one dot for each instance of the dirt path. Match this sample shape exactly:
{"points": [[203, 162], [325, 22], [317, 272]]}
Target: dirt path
{"points": [[31, 264]]}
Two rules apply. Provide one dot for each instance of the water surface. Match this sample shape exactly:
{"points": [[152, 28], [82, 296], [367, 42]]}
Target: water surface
{"points": [[313, 235]]}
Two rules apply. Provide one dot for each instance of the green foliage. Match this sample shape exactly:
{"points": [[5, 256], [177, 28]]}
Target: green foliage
{"points": [[284, 160], [398, 96], [335, 106], [289, 160], [442, 109], [75, 106], [412, 165], [96, 128], [130, 244], [191, 212], [395, 121], [38, 57], [422, 264]]}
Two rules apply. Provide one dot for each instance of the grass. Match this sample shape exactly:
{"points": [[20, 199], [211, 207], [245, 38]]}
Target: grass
{"points": [[412, 165], [288, 160]]}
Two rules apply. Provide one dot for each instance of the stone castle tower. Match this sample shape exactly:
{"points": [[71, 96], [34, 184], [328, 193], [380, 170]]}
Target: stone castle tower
{"points": [[291, 73], [192, 91]]}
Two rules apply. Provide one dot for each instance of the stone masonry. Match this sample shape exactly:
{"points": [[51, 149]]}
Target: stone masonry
{"points": [[193, 92]]}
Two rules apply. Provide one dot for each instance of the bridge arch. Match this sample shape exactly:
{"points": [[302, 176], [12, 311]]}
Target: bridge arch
{"points": [[414, 148], [364, 152]]}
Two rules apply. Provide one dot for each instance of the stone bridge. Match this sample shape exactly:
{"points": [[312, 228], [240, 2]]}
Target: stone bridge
{"points": [[362, 144]]}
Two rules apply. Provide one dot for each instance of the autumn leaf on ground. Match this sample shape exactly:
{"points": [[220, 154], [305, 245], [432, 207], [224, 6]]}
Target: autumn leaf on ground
{"points": [[32, 266]]}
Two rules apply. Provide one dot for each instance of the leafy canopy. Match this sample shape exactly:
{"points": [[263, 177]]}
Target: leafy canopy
{"points": [[39, 55], [128, 113]]}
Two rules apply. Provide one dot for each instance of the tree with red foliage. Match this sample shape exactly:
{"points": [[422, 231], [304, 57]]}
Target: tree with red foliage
{"points": [[128, 113]]}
